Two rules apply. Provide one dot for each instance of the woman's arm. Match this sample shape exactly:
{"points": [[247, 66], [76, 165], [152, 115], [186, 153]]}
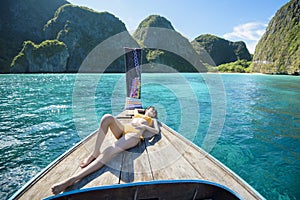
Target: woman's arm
{"points": [[155, 129], [149, 131]]}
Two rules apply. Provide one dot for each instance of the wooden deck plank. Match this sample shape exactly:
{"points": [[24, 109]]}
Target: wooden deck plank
{"points": [[107, 175], [167, 163], [42, 188], [70, 166], [136, 166], [197, 159], [209, 168]]}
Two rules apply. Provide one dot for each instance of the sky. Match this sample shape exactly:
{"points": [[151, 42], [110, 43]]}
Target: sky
{"points": [[234, 20]]}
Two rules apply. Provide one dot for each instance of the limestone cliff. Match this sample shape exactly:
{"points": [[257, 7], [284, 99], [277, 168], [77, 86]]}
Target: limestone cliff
{"points": [[82, 29], [278, 51], [22, 20], [220, 50], [49, 56], [165, 50]]}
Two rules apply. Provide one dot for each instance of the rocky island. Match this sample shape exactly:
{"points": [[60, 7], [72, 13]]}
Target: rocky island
{"points": [[55, 37]]}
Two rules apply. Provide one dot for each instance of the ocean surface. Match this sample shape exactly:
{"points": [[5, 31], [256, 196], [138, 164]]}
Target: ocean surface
{"points": [[251, 123]]}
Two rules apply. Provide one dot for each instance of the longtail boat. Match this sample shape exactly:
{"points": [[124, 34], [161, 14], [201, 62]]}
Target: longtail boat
{"points": [[166, 166]]}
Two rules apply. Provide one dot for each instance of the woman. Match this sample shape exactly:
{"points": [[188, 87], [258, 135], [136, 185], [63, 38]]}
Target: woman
{"points": [[128, 136]]}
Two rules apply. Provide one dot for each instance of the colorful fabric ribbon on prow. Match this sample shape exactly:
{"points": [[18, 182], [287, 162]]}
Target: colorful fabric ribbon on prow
{"points": [[133, 61]]}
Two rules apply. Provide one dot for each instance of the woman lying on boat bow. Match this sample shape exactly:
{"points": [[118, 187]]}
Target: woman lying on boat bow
{"points": [[128, 135]]}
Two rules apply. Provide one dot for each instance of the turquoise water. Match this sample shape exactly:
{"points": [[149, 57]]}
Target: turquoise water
{"points": [[41, 116]]}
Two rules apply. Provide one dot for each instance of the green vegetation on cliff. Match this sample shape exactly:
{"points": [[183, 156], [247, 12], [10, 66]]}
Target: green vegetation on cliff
{"points": [[278, 51], [22, 20], [163, 60], [76, 29], [220, 50], [239, 66], [164, 48], [82, 29], [154, 21], [48, 56]]}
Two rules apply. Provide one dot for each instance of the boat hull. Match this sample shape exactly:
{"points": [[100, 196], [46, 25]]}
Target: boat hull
{"points": [[172, 189]]}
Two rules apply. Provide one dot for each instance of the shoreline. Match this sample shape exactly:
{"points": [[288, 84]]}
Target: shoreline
{"points": [[225, 73]]}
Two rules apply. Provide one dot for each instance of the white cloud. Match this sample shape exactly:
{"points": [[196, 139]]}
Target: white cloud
{"points": [[250, 33]]}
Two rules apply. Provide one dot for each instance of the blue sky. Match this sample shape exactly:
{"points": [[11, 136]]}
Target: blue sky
{"points": [[235, 20]]}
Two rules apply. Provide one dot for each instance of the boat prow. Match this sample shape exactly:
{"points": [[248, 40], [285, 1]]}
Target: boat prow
{"points": [[166, 157]]}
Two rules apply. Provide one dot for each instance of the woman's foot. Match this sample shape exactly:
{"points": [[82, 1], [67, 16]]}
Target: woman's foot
{"points": [[87, 161], [58, 188]]}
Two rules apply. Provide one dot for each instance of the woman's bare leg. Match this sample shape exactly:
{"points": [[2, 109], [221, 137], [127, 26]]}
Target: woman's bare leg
{"points": [[107, 121], [127, 141]]}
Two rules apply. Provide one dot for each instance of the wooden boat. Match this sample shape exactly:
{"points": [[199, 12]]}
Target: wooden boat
{"points": [[167, 166]]}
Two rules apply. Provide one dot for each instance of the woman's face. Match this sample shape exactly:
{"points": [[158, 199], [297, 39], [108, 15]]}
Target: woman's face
{"points": [[151, 112]]}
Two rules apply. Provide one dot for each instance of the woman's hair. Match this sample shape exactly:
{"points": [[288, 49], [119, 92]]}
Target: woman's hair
{"points": [[153, 109]]}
